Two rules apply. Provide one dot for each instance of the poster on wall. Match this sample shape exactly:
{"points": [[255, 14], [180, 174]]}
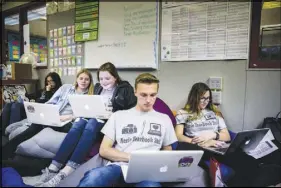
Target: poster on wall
{"points": [[38, 45], [64, 53], [14, 47], [86, 20]]}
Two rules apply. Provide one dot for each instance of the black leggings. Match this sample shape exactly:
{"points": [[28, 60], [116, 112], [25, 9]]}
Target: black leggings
{"points": [[11, 113], [10, 147]]}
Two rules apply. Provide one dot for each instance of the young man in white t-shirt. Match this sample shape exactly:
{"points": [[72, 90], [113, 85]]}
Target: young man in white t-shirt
{"points": [[139, 128]]}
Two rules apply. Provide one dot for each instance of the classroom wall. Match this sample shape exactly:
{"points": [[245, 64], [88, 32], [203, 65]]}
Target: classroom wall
{"points": [[263, 97]]}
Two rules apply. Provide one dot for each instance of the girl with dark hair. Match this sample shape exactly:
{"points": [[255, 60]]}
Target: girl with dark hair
{"points": [[119, 95], [14, 112], [52, 84]]}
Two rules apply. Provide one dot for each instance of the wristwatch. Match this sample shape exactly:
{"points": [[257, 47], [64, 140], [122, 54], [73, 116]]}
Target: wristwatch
{"points": [[217, 135]]}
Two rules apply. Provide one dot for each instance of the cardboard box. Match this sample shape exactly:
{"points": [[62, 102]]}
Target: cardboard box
{"points": [[18, 71]]}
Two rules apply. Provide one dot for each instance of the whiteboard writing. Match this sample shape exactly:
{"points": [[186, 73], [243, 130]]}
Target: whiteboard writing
{"points": [[113, 45], [139, 20], [128, 36]]}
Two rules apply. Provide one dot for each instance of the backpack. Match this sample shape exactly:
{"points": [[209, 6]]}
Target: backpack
{"points": [[274, 124]]}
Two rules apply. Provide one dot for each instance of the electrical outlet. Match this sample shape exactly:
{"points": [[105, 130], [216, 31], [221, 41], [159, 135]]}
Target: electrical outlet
{"points": [[215, 83], [216, 95]]}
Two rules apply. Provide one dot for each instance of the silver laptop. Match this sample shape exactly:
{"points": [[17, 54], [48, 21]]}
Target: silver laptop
{"points": [[247, 140], [89, 106], [162, 166], [44, 114]]}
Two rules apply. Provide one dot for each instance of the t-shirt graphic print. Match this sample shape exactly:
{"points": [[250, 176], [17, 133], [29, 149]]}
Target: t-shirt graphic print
{"points": [[207, 121]]}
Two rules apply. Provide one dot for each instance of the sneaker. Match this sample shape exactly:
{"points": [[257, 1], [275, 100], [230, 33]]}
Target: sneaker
{"points": [[46, 176], [55, 181]]}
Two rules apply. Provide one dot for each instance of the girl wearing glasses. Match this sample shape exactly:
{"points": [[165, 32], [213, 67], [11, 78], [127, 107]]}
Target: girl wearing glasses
{"points": [[200, 120], [200, 124]]}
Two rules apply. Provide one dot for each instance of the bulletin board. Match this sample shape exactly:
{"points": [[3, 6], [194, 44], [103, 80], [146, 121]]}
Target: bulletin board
{"points": [[38, 45], [65, 56]]}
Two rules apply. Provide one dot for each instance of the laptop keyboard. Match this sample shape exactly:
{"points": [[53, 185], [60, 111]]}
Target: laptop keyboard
{"points": [[221, 149]]}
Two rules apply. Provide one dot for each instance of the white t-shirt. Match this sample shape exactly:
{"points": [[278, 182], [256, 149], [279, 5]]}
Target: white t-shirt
{"points": [[207, 121], [134, 130], [107, 95]]}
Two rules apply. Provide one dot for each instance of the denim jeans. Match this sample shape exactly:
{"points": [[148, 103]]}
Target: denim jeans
{"points": [[77, 143], [108, 176], [12, 112]]}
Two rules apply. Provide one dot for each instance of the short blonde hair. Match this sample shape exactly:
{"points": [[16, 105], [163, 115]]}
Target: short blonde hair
{"points": [[146, 78], [91, 85]]}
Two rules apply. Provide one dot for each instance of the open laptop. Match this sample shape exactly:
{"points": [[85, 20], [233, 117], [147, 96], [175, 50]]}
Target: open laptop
{"points": [[44, 114], [89, 106], [162, 166], [246, 140]]}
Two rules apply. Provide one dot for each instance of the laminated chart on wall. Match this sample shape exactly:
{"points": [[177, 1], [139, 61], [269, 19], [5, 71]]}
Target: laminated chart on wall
{"points": [[14, 46], [65, 55], [39, 47], [128, 36], [86, 20], [205, 30]]}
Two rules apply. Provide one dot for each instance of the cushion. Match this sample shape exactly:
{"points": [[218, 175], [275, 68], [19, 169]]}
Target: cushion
{"points": [[11, 178], [45, 144], [162, 107]]}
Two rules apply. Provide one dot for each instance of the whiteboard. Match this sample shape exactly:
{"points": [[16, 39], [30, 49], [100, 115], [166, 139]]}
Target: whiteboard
{"points": [[128, 36], [205, 30]]}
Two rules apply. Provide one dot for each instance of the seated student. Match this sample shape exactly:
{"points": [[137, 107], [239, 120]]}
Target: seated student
{"points": [[119, 95], [146, 88], [200, 120], [83, 85], [200, 124], [14, 112]]}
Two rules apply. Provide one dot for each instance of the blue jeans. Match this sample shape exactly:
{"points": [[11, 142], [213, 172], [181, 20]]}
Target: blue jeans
{"points": [[109, 176], [77, 143], [12, 112]]}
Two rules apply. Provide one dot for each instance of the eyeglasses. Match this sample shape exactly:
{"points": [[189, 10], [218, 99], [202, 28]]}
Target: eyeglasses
{"points": [[203, 99]]}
